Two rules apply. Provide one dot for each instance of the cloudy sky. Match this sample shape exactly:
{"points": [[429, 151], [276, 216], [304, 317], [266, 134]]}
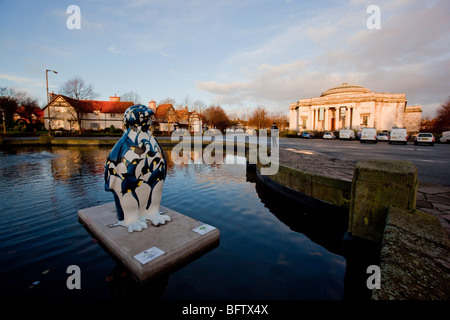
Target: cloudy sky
{"points": [[237, 53]]}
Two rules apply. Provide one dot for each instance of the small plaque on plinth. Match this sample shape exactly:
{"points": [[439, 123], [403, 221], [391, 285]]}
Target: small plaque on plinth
{"points": [[203, 229], [148, 255]]}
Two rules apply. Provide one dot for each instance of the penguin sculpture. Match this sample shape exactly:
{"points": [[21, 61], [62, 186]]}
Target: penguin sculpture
{"points": [[135, 172]]}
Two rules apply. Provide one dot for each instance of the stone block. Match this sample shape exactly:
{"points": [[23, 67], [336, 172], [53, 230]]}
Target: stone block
{"points": [[376, 185], [326, 193], [301, 181]]}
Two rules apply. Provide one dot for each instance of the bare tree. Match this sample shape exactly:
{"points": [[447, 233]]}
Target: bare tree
{"points": [[9, 101], [442, 121], [216, 117], [259, 118], [167, 101], [199, 108], [78, 90], [131, 96], [281, 120], [186, 102]]}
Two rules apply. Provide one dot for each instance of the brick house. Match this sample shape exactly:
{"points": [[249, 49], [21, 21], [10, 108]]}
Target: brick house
{"points": [[167, 119]]}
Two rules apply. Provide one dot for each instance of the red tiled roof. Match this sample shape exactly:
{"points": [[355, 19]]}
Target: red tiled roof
{"points": [[162, 109], [101, 106], [105, 106], [183, 114]]}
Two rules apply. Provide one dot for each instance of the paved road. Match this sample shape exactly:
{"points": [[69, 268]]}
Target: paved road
{"points": [[433, 162]]}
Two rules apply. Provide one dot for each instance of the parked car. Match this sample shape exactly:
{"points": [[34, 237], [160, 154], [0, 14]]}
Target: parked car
{"points": [[329, 135], [424, 137], [368, 134], [398, 135], [307, 135], [445, 137], [383, 136], [346, 134]]}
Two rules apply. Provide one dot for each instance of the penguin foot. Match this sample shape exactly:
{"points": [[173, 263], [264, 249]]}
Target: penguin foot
{"points": [[156, 218], [134, 226]]}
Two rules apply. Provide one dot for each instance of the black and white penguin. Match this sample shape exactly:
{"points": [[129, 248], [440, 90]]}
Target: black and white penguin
{"points": [[135, 172]]}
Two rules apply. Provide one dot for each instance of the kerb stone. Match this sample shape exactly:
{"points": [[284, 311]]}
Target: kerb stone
{"points": [[376, 185]]}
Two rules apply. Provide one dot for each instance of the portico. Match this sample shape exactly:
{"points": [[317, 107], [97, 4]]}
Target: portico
{"points": [[352, 107]]}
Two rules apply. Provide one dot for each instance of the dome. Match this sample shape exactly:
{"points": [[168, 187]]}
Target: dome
{"points": [[345, 88]]}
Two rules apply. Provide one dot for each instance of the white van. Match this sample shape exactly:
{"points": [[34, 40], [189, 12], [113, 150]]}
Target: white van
{"points": [[445, 137], [368, 134], [398, 135], [346, 134]]}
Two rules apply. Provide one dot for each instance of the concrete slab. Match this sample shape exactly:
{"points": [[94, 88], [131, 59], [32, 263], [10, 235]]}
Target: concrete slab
{"points": [[154, 250]]}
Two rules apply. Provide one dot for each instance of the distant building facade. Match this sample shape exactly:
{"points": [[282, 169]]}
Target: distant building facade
{"points": [[97, 115], [354, 107], [100, 115], [167, 119]]}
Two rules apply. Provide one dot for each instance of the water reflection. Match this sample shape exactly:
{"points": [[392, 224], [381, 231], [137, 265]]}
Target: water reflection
{"points": [[325, 226], [270, 248], [72, 163]]}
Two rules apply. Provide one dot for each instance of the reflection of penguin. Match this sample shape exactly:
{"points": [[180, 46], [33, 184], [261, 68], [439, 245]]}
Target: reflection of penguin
{"points": [[135, 172]]}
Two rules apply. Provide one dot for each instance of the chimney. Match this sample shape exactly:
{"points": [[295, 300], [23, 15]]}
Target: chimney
{"points": [[115, 98], [51, 96], [152, 105]]}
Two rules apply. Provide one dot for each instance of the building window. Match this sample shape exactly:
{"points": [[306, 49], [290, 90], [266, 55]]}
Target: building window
{"points": [[342, 111], [95, 125], [304, 119], [321, 114], [365, 120]]}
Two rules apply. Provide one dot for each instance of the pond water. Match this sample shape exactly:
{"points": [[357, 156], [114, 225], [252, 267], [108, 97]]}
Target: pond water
{"points": [[271, 247]]}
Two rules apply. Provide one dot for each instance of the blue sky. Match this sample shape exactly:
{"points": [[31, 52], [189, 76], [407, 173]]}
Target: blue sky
{"points": [[239, 54]]}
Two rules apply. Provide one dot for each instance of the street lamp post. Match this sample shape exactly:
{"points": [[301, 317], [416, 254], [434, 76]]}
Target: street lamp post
{"points": [[48, 102]]}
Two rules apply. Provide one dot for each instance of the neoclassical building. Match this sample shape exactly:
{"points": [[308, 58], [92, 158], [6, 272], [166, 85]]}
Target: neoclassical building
{"points": [[354, 107]]}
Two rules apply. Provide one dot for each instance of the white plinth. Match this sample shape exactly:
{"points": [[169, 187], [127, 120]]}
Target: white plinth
{"points": [[154, 250]]}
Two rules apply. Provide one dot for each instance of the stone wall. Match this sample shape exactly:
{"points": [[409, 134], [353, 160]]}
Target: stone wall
{"points": [[326, 189], [415, 258]]}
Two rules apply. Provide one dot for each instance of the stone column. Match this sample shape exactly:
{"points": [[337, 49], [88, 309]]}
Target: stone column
{"points": [[327, 115], [347, 117], [376, 185], [293, 119], [337, 122], [316, 119]]}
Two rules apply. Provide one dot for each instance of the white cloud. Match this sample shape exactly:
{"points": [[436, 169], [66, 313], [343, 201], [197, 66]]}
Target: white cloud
{"points": [[21, 80], [115, 50], [408, 55]]}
